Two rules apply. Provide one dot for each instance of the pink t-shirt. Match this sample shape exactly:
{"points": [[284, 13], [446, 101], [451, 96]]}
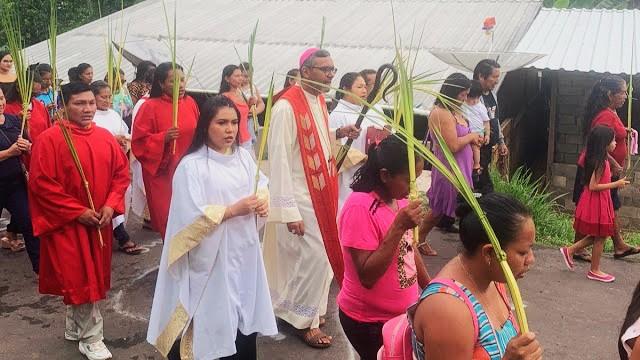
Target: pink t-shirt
{"points": [[363, 224]]}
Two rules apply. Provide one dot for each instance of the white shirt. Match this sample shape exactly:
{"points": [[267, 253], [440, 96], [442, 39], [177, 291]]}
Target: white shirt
{"points": [[112, 121], [345, 114], [477, 116], [632, 332]]}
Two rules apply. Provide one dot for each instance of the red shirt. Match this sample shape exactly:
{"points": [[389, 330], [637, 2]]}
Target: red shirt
{"points": [[39, 121], [608, 117]]}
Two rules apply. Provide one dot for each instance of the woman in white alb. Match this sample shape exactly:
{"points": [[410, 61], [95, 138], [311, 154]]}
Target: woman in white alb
{"points": [[212, 288], [346, 113]]}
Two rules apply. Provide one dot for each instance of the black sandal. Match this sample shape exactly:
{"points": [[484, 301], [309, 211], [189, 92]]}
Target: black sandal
{"points": [[628, 252]]}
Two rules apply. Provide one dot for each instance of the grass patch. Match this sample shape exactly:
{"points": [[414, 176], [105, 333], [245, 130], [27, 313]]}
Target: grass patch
{"points": [[554, 225]]}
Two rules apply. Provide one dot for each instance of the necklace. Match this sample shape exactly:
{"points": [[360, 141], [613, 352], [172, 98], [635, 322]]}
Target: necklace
{"points": [[467, 272]]}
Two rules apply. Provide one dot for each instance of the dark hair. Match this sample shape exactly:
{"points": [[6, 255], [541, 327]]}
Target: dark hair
{"points": [[98, 85], [596, 154], [43, 69], [4, 53], [142, 69], [505, 214], [13, 90], [476, 89], [485, 68], [73, 88], [207, 112], [226, 72], [367, 72], [75, 72], [633, 314], [117, 85], [160, 75], [318, 54], [82, 67], [346, 82], [245, 66], [599, 99], [453, 85], [79, 70], [390, 154], [73, 75], [290, 76]]}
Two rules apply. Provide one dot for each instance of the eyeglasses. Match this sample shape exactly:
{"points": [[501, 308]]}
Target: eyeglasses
{"points": [[326, 69]]}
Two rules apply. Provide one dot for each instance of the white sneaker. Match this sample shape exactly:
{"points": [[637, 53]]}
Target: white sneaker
{"points": [[71, 336], [94, 351]]}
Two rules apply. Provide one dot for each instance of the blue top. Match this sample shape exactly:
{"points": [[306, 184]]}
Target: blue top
{"points": [[46, 98], [11, 168], [493, 342]]}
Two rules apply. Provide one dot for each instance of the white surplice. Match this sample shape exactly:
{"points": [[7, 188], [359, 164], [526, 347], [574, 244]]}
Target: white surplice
{"points": [[138, 194], [345, 114], [220, 282], [297, 266], [112, 121]]}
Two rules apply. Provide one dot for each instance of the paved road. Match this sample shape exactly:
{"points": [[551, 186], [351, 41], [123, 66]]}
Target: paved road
{"points": [[575, 318]]}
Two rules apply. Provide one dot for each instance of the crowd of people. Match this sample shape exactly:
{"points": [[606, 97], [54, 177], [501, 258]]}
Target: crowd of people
{"points": [[242, 249]]}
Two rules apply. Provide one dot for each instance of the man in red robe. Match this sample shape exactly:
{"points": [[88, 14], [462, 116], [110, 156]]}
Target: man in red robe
{"points": [[75, 262], [153, 138]]}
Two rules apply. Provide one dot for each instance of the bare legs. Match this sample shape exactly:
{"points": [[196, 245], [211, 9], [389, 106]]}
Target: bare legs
{"points": [[596, 255], [429, 222]]}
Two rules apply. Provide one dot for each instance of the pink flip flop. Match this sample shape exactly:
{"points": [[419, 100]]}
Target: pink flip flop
{"points": [[567, 259], [602, 278]]}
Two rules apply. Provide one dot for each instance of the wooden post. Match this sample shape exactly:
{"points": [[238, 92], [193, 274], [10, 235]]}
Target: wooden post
{"points": [[553, 115]]}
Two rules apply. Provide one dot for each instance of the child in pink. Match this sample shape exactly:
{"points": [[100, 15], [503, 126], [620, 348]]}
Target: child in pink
{"points": [[383, 272], [594, 215]]}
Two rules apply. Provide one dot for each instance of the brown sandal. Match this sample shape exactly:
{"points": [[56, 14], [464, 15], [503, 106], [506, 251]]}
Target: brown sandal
{"points": [[426, 250], [131, 248], [312, 338], [15, 245]]}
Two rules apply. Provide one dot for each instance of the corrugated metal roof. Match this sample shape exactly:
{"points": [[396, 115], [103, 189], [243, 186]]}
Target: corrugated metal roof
{"points": [[359, 33], [585, 40]]}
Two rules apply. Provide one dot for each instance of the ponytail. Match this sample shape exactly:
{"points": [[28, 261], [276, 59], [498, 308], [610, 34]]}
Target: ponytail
{"points": [[390, 154]]}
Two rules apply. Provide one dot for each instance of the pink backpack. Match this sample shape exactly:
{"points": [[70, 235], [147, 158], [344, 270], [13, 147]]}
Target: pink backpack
{"points": [[396, 333]]}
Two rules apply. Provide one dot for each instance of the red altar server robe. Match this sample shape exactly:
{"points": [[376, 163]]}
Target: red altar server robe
{"points": [[72, 262], [153, 120]]}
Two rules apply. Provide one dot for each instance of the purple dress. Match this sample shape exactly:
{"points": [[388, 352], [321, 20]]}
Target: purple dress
{"points": [[442, 195]]}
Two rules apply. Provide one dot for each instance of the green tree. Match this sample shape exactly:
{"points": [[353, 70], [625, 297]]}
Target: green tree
{"points": [[34, 15]]}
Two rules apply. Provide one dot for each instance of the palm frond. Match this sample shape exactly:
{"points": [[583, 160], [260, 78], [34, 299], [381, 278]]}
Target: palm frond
{"points": [[15, 42], [52, 44], [172, 42], [322, 32], [265, 132]]}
